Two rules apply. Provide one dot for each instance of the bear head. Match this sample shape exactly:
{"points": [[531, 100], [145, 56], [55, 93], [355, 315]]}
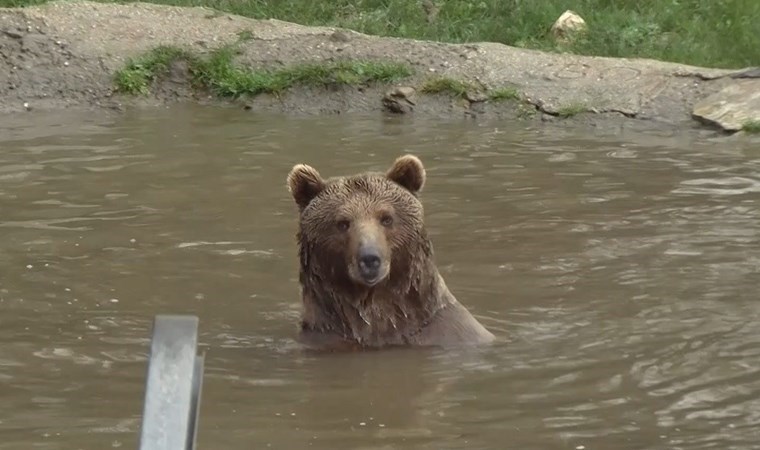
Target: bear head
{"points": [[362, 231]]}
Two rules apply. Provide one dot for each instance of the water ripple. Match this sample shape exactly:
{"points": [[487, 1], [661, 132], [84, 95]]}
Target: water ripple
{"points": [[719, 186]]}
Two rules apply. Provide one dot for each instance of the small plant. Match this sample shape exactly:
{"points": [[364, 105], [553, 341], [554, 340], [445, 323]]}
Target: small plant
{"points": [[501, 94], [139, 73], [446, 85], [245, 35], [751, 126], [572, 110]]}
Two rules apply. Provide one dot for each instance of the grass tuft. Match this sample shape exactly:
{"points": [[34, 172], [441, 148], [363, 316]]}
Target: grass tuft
{"points": [[137, 76], [245, 35], [461, 89], [751, 126], [572, 110], [446, 85], [220, 74], [502, 94]]}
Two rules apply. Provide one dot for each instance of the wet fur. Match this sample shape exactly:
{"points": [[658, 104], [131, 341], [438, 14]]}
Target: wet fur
{"points": [[413, 305]]}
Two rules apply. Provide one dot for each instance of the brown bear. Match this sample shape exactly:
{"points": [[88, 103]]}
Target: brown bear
{"points": [[367, 274]]}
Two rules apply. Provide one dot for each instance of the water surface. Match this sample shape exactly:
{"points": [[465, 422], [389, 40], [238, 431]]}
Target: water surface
{"points": [[620, 272]]}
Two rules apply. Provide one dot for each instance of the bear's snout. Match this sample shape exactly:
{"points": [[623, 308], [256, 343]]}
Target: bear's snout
{"points": [[370, 263]]}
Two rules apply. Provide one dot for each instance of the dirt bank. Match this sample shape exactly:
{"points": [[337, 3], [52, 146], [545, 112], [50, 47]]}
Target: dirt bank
{"points": [[64, 54]]}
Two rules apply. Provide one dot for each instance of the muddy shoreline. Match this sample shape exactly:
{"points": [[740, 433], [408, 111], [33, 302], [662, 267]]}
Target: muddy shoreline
{"points": [[64, 55]]}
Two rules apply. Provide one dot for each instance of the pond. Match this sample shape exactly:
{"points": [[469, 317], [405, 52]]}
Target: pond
{"points": [[619, 271]]}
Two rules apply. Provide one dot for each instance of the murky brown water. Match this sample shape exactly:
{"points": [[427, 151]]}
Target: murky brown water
{"points": [[621, 272]]}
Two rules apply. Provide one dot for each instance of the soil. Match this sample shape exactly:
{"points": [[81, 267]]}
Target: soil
{"points": [[64, 54]]}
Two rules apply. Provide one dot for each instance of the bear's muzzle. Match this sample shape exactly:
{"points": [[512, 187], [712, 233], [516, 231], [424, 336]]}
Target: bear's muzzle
{"points": [[370, 266]]}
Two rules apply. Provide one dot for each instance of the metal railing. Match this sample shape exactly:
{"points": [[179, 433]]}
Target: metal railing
{"points": [[173, 385]]}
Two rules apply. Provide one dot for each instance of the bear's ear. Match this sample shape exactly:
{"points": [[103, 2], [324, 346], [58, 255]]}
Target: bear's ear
{"points": [[304, 183], [409, 172]]}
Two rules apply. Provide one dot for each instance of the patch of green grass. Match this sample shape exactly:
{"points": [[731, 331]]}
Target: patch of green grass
{"points": [[219, 73], [446, 85], [139, 73], [503, 94], [751, 126], [572, 110], [713, 33], [245, 35]]}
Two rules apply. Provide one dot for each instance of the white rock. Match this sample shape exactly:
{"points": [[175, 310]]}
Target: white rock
{"points": [[568, 23]]}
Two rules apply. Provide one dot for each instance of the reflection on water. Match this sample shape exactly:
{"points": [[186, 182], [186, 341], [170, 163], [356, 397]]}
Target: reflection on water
{"points": [[619, 271]]}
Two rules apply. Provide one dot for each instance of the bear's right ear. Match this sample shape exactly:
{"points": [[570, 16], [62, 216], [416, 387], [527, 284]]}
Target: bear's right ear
{"points": [[304, 183]]}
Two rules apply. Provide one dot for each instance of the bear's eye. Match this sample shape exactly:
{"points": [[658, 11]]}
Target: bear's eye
{"points": [[343, 225], [386, 220]]}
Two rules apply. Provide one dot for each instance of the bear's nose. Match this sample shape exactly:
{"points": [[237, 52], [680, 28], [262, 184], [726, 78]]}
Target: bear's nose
{"points": [[369, 261]]}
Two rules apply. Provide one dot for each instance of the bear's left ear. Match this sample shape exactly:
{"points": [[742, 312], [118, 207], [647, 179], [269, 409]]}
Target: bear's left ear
{"points": [[409, 172], [304, 183]]}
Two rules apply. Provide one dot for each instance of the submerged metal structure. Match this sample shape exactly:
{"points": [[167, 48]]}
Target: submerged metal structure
{"points": [[173, 385]]}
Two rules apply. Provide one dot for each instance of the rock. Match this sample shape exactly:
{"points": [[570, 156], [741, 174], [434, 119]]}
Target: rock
{"points": [[399, 100], [732, 107], [568, 24], [12, 34], [475, 96]]}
